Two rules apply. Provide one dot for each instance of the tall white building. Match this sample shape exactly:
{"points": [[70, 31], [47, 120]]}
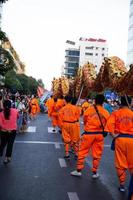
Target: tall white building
{"points": [[93, 51], [130, 36], [88, 50]]}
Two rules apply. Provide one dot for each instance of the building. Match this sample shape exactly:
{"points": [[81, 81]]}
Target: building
{"points": [[93, 50], [88, 50], [130, 36], [71, 61]]}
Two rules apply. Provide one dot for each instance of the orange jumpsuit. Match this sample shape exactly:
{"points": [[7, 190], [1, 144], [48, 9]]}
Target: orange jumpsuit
{"points": [[60, 103], [34, 107], [92, 138], [49, 103], [54, 114], [69, 116], [85, 105], [121, 122]]}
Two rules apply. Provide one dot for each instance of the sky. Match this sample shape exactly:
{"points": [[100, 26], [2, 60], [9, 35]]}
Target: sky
{"points": [[38, 30]]}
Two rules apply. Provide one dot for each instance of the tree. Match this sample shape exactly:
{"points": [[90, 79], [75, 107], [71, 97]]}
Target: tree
{"points": [[40, 83], [11, 81], [6, 62], [33, 85]]}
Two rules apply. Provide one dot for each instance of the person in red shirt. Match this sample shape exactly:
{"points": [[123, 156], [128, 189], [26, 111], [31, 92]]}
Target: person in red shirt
{"points": [[120, 126], [8, 127], [92, 138]]}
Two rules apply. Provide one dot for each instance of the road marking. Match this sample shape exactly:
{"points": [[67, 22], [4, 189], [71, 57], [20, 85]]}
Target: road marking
{"points": [[107, 145], [31, 129], [57, 145], [50, 130], [36, 142], [73, 196], [62, 162]]}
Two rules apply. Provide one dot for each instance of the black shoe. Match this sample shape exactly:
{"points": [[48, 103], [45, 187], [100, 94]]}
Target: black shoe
{"points": [[7, 160], [60, 131], [67, 156], [75, 157]]}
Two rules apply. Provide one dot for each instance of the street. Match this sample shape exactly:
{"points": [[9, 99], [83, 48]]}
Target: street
{"points": [[38, 170]]}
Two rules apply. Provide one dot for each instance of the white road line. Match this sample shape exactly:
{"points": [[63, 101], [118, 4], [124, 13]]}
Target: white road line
{"points": [[57, 145], [73, 196], [50, 130], [62, 162], [107, 145], [36, 142], [31, 129]]}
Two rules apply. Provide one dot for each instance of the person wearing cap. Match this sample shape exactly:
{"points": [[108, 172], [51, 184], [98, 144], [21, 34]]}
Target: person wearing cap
{"points": [[120, 126], [8, 127], [95, 118]]}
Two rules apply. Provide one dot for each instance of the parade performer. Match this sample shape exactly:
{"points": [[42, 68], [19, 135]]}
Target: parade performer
{"points": [[60, 103], [85, 105], [49, 104], [54, 114], [34, 105], [8, 127], [69, 116], [92, 139], [120, 125]]}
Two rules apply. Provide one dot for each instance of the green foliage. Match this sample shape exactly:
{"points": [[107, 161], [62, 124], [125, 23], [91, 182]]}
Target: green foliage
{"points": [[40, 83], [3, 36], [6, 62], [33, 85], [21, 83], [11, 81]]}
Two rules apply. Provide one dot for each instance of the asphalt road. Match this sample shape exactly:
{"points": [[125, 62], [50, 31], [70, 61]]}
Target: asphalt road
{"points": [[38, 170]]}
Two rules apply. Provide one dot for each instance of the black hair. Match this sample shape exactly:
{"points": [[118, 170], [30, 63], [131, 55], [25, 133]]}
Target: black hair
{"points": [[68, 99], [7, 107], [74, 101], [99, 99], [125, 100], [55, 99]]}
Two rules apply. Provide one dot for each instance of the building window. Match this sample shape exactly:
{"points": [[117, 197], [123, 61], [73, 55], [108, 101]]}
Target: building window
{"points": [[96, 48], [103, 48], [89, 54], [89, 47], [96, 54], [103, 54]]}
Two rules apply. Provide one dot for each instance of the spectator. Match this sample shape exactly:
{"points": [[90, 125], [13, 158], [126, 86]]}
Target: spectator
{"points": [[8, 127]]}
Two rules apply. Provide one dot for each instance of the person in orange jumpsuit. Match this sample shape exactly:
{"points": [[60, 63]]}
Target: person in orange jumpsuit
{"points": [[34, 105], [49, 104], [120, 125], [69, 116], [60, 103], [92, 138], [54, 114], [85, 105]]}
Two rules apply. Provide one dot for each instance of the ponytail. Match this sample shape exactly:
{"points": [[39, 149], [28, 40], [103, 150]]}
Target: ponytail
{"points": [[7, 109]]}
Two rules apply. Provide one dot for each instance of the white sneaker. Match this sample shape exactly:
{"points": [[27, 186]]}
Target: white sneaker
{"points": [[76, 173], [95, 175]]}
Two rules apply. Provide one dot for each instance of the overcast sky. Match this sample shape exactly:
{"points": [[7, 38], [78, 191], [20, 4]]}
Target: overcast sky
{"points": [[38, 30]]}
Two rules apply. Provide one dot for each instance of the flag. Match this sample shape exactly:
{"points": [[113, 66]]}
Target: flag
{"points": [[40, 91]]}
